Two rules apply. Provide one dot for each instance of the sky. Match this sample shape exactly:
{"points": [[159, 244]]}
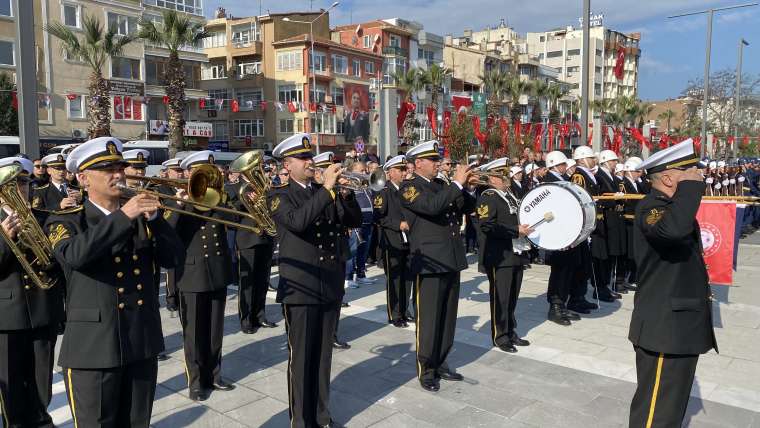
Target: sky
{"points": [[673, 50]]}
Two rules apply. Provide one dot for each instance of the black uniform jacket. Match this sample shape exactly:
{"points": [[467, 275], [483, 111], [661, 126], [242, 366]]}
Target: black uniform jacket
{"points": [[630, 211], [47, 197], [518, 189], [613, 213], [388, 215], [112, 314], [598, 238], [311, 227], [672, 312], [497, 226], [23, 305], [433, 209], [207, 265], [243, 238]]}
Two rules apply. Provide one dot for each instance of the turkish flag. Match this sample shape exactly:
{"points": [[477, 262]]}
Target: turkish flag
{"points": [[717, 221], [235, 106], [461, 103], [620, 63], [202, 104]]}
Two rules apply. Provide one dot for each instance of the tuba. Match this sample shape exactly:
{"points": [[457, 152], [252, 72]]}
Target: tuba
{"points": [[31, 247], [251, 166]]}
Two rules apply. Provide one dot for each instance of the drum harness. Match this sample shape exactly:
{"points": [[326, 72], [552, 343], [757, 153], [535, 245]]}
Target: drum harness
{"points": [[519, 244]]}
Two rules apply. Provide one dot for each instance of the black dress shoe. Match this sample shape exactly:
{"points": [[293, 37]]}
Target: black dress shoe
{"points": [[606, 297], [517, 341], [344, 304], [450, 375], [508, 347], [200, 394], [576, 308], [431, 385], [631, 287], [410, 318], [400, 323], [586, 304], [221, 385], [171, 307], [248, 330], [162, 357], [337, 344], [555, 315], [267, 324]]}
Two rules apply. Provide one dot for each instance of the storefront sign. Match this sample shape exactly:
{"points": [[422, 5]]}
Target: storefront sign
{"points": [[192, 129]]}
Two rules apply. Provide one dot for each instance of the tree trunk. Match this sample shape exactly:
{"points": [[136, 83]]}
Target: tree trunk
{"points": [[175, 90], [99, 107]]}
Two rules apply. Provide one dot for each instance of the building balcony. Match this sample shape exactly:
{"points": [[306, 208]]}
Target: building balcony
{"points": [[245, 47], [321, 74], [395, 51], [247, 71]]}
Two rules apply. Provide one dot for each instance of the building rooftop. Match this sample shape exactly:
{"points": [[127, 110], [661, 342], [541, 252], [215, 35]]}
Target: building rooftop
{"points": [[374, 24], [304, 38]]}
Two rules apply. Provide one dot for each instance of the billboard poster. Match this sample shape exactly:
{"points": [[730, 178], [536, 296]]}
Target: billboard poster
{"points": [[356, 116], [479, 106]]}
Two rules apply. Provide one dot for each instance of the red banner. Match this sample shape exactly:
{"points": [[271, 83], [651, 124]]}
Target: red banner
{"points": [[478, 133], [461, 104], [620, 63], [431, 115], [717, 221]]}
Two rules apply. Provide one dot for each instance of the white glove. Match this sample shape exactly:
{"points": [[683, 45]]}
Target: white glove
{"points": [[741, 179], [709, 180], [732, 181], [717, 186], [725, 182]]}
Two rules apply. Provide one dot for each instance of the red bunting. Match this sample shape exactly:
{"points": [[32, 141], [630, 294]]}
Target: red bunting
{"points": [[446, 129], [263, 106], [551, 137], [518, 133], [617, 144], [71, 97], [640, 138], [590, 137], [664, 141], [14, 100], [235, 106], [201, 103], [292, 107], [745, 141], [478, 133], [620, 63], [166, 99], [698, 144], [431, 115], [402, 112], [504, 125], [730, 141], [537, 139], [607, 144]]}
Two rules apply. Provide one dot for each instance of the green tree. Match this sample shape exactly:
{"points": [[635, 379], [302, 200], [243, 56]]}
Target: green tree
{"points": [[554, 93], [667, 116], [8, 114], [95, 46], [538, 90], [495, 85], [410, 83], [435, 77], [515, 88], [175, 32]]}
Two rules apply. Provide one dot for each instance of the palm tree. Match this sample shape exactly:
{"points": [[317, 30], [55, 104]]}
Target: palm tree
{"points": [[539, 90], [515, 88], [94, 48], [644, 109], [495, 85], [667, 116], [410, 82], [436, 78], [553, 94], [175, 32]]}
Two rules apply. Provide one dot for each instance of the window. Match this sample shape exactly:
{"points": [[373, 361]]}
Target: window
{"points": [[154, 72], [369, 67], [573, 69], [367, 42], [216, 39], [248, 99], [337, 96], [5, 8], [393, 65], [320, 94], [123, 25], [245, 33], [598, 52], [287, 93], [217, 94], [395, 41], [246, 127], [554, 54], [428, 56], [6, 53], [286, 126], [220, 130], [69, 57], [357, 68], [340, 64], [76, 107], [289, 60], [213, 71], [248, 68], [320, 61], [542, 39], [71, 15], [190, 6], [572, 52], [541, 56], [125, 68], [125, 108], [598, 69]]}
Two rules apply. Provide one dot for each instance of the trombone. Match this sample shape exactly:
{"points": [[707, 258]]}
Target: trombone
{"points": [[205, 190]]}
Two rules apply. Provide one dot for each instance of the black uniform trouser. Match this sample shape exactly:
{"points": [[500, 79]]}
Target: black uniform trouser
{"points": [[113, 397], [26, 376], [202, 317], [561, 276], [437, 301], [171, 288], [663, 386], [583, 273], [310, 330], [255, 267], [504, 289], [398, 284]]}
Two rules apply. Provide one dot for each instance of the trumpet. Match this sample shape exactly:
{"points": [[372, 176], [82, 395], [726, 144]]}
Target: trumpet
{"points": [[358, 181], [483, 177], [205, 192], [30, 241]]}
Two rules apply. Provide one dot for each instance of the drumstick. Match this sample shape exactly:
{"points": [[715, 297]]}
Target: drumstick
{"points": [[549, 216]]}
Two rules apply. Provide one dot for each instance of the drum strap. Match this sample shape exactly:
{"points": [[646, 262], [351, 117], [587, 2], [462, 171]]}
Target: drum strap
{"points": [[521, 244]]}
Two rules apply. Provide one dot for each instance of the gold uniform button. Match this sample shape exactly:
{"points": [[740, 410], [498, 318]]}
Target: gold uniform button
{"points": [[203, 227], [119, 274], [120, 290], [121, 305], [218, 253], [203, 236], [26, 287], [26, 276], [205, 255], [321, 258], [205, 246], [139, 286], [139, 303], [134, 257], [136, 271], [117, 259]]}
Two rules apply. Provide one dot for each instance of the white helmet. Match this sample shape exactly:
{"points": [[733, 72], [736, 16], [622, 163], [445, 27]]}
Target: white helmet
{"points": [[721, 164], [607, 155], [637, 159], [570, 163], [618, 168], [713, 165], [555, 158], [514, 170], [582, 152], [631, 165], [530, 168]]}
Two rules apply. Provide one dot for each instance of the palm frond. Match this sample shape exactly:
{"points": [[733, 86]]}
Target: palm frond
{"points": [[70, 45]]}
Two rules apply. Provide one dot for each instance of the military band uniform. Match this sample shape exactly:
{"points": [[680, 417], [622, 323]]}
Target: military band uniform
{"points": [[172, 295], [433, 209], [310, 223], [388, 215], [586, 252], [671, 322], [497, 227], [631, 187], [113, 327], [614, 230], [202, 283], [29, 318], [48, 197]]}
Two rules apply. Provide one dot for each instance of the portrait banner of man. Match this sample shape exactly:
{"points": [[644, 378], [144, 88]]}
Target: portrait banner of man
{"points": [[356, 117]]}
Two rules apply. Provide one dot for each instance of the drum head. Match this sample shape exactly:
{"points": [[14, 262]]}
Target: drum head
{"points": [[564, 206]]}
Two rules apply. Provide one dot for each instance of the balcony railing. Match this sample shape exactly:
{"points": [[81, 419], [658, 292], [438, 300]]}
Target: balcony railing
{"points": [[395, 51], [247, 70], [185, 48]]}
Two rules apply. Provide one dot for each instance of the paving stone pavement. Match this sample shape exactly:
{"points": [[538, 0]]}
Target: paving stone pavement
{"points": [[578, 376]]}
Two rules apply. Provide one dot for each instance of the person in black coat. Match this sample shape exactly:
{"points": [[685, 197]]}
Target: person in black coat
{"points": [[57, 194], [29, 318], [433, 209], [632, 186], [516, 174], [202, 283], [671, 323], [108, 251], [394, 243], [504, 254], [612, 267], [311, 224]]}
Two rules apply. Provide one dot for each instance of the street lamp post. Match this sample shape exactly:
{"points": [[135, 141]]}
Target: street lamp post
{"points": [[313, 68], [708, 47], [585, 92], [738, 95]]}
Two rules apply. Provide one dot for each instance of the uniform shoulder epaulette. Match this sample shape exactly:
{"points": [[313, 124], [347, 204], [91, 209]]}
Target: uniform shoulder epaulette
{"points": [[280, 186], [42, 187], [578, 179], [408, 179], [69, 210]]}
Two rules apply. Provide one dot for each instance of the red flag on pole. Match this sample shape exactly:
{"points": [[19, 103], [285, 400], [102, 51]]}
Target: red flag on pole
{"points": [[461, 103], [201, 103], [620, 63], [504, 125], [235, 106], [166, 99], [431, 115], [717, 223], [478, 133], [551, 137]]}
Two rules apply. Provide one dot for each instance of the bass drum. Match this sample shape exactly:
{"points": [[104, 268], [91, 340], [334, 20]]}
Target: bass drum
{"points": [[573, 211]]}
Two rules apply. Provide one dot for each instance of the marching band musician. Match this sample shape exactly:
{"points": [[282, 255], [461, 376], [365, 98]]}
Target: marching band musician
{"points": [[202, 283], [611, 263], [311, 219], [671, 323], [563, 263], [631, 186], [108, 251], [28, 325], [394, 243], [57, 194], [137, 161], [433, 209], [503, 255], [516, 176], [174, 172]]}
